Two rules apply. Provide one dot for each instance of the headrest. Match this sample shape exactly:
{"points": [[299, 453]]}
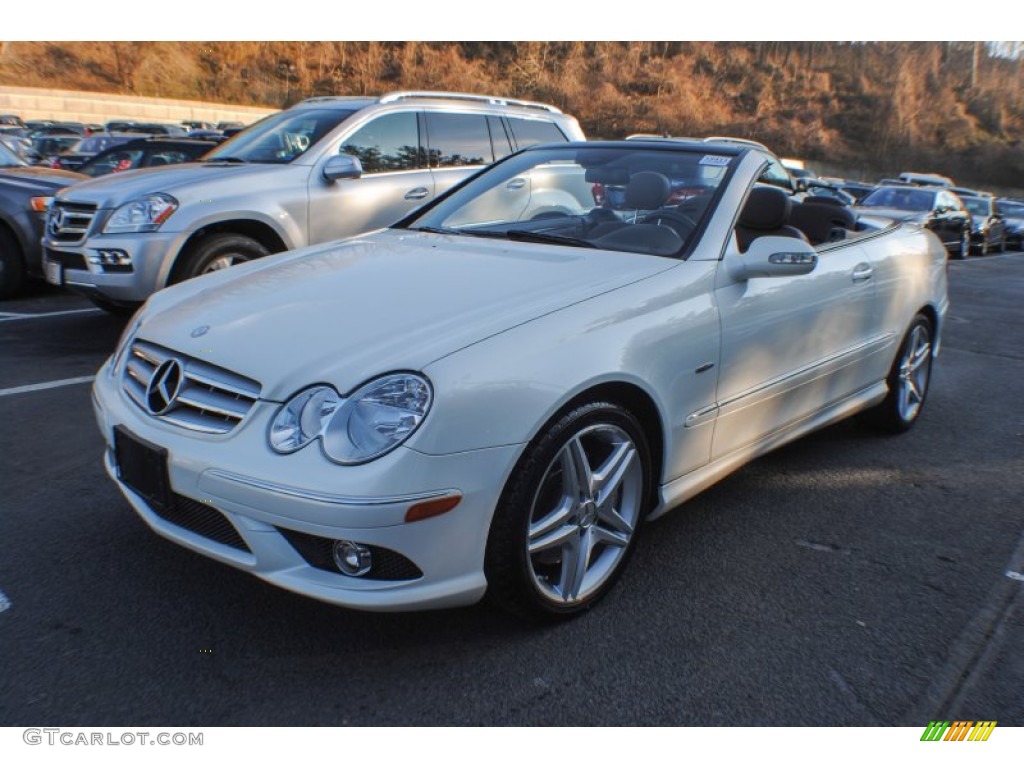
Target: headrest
{"points": [[647, 190], [767, 208]]}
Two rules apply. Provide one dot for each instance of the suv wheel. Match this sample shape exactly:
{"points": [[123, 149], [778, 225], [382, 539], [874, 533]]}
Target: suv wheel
{"points": [[215, 253], [12, 266]]}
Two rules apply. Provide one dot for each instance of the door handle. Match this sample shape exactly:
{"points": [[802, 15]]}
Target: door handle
{"points": [[516, 184], [417, 194], [862, 272]]}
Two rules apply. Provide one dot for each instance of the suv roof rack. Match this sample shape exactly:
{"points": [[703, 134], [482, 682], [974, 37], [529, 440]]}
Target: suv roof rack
{"points": [[328, 99], [496, 100]]}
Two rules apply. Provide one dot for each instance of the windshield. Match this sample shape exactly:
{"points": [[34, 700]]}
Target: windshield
{"points": [[9, 158], [976, 205], [905, 199], [1016, 210], [639, 200], [280, 138]]}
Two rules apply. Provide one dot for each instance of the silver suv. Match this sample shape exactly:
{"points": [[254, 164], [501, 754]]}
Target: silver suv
{"points": [[327, 168]]}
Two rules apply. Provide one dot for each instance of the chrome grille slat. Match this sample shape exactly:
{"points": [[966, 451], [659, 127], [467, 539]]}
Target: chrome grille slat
{"points": [[210, 399], [76, 219]]}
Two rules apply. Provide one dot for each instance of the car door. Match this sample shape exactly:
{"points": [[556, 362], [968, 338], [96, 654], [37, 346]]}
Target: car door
{"points": [[458, 144], [395, 179], [791, 345]]}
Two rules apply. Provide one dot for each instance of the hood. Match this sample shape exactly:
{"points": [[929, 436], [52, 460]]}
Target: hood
{"points": [[34, 177], [115, 189], [394, 300]]}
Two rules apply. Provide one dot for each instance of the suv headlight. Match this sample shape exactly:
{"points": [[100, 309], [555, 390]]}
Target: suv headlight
{"points": [[143, 215], [375, 419]]}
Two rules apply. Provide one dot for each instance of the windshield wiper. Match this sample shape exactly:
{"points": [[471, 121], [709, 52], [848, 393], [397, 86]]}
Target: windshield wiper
{"points": [[439, 230], [225, 160], [546, 237]]}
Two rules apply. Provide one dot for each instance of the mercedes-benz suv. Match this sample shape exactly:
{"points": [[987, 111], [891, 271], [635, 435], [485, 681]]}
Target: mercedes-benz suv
{"points": [[328, 168]]}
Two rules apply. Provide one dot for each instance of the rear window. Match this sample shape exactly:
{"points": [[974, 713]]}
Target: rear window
{"points": [[530, 132]]}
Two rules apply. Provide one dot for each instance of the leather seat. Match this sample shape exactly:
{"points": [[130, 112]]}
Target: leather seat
{"points": [[823, 220], [766, 213]]}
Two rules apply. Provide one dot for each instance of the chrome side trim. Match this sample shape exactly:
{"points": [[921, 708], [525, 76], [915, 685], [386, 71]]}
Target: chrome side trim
{"points": [[328, 498], [878, 341]]}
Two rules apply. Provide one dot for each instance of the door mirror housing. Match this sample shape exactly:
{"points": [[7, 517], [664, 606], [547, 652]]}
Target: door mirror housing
{"points": [[342, 167], [773, 256]]}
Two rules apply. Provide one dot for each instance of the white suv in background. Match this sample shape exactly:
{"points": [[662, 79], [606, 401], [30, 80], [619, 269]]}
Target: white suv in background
{"points": [[329, 167]]}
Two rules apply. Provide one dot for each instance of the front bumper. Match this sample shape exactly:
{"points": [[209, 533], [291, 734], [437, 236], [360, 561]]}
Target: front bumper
{"points": [[265, 497], [152, 255]]}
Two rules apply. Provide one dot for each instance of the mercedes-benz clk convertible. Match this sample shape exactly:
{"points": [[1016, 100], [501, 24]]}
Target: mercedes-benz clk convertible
{"points": [[494, 395]]}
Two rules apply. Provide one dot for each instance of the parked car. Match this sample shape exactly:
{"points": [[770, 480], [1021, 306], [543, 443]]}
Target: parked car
{"points": [[988, 230], [1012, 212], [497, 393], [25, 193], [12, 120], [145, 153], [819, 188], [926, 179], [937, 209], [86, 149], [287, 181], [858, 190], [225, 125], [47, 147]]}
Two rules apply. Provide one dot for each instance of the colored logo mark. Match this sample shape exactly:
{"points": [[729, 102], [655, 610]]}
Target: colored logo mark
{"points": [[958, 730]]}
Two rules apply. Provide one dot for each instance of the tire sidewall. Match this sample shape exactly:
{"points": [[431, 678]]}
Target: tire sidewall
{"points": [[215, 246], [506, 562]]}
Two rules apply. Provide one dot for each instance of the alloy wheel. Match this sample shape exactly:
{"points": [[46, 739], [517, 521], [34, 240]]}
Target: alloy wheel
{"points": [[914, 373], [584, 514]]}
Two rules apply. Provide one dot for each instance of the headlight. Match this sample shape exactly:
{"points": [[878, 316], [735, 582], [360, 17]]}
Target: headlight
{"points": [[143, 215], [373, 420]]}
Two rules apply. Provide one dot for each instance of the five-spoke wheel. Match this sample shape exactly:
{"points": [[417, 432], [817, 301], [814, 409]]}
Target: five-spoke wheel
{"points": [[567, 520]]}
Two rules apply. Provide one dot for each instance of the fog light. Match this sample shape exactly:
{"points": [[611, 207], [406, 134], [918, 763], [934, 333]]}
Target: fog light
{"points": [[352, 558], [111, 257]]}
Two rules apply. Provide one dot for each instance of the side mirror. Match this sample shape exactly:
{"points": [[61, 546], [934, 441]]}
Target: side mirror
{"points": [[773, 256], [342, 167]]}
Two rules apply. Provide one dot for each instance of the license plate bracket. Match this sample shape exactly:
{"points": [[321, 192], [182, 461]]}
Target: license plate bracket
{"points": [[142, 466]]}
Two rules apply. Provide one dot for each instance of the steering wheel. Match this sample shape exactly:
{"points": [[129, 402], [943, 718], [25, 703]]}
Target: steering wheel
{"points": [[680, 222], [301, 142]]}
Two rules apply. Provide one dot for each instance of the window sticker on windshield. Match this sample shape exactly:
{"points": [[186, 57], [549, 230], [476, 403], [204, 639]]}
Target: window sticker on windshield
{"points": [[717, 160]]}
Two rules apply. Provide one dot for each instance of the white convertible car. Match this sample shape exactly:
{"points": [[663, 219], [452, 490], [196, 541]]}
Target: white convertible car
{"points": [[495, 394]]}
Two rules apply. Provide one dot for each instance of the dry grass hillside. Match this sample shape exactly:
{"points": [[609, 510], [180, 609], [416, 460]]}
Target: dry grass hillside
{"points": [[956, 108]]}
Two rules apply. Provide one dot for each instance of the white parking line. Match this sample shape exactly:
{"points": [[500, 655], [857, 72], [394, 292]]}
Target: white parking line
{"points": [[45, 385], [5, 602], [9, 316]]}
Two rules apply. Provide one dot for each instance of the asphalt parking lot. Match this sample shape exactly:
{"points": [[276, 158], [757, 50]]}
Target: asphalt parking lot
{"points": [[847, 579]]}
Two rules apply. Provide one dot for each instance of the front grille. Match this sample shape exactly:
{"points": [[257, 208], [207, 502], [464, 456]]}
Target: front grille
{"points": [[67, 260], [69, 222], [202, 520], [386, 565], [210, 399]]}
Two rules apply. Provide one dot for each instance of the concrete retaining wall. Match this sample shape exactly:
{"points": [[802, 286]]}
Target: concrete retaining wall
{"points": [[87, 107]]}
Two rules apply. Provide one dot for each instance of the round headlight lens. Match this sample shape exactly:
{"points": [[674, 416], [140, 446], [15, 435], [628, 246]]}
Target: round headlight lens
{"points": [[375, 419], [303, 419]]}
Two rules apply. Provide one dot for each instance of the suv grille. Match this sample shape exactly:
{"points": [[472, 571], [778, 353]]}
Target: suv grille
{"points": [[69, 222], [201, 396]]}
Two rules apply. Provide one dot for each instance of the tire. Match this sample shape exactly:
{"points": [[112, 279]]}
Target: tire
{"points": [[908, 380], [12, 265], [113, 308], [556, 506], [217, 252]]}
